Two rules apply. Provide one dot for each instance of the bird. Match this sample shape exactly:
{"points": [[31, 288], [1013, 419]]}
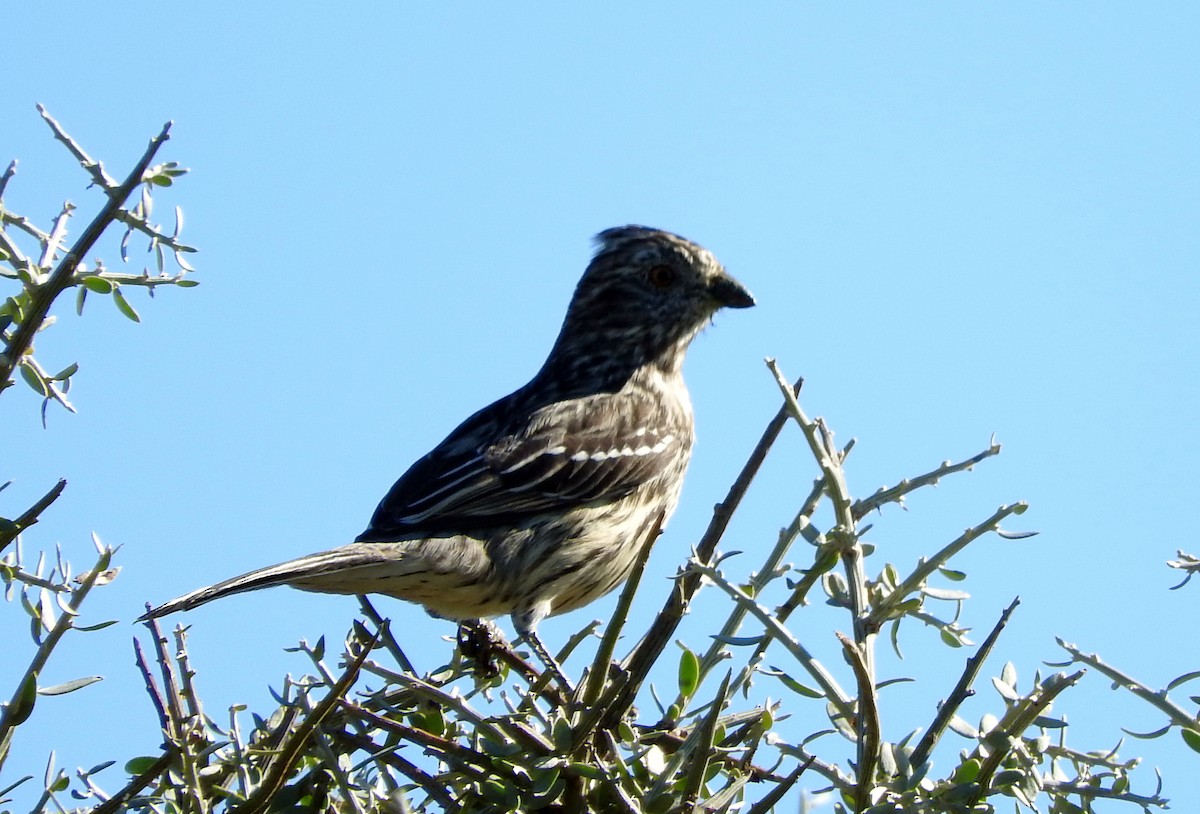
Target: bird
{"points": [[539, 503]]}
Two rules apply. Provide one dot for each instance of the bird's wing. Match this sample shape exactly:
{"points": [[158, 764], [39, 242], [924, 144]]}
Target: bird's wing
{"points": [[585, 449]]}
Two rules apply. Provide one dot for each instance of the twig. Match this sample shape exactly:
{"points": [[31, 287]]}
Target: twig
{"points": [[926, 568], [8, 174], [834, 694], [896, 494], [608, 643], [868, 715], [145, 778], [1160, 700], [637, 665], [31, 515], [385, 631], [768, 802], [962, 690], [702, 748], [20, 706], [800, 524], [1019, 717], [292, 751], [42, 297]]}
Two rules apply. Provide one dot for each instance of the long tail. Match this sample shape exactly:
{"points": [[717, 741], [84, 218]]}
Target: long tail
{"points": [[305, 572]]}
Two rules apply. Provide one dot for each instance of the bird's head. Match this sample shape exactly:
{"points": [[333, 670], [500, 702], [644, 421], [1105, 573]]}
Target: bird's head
{"points": [[643, 298]]}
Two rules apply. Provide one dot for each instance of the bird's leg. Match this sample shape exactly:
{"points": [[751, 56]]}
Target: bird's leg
{"points": [[552, 666], [526, 627]]}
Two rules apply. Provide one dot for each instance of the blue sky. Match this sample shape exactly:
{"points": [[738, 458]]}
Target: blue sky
{"points": [[958, 220]]}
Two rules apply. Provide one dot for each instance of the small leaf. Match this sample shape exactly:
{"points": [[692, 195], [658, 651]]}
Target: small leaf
{"points": [[798, 688], [951, 574], [945, 593], [123, 305], [97, 626], [1049, 723], [1008, 777], [950, 639], [689, 673], [22, 704], [185, 283], [737, 641], [1005, 690], [98, 284], [140, 764], [1015, 535], [1192, 738], [35, 382], [69, 686], [962, 727], [66, 373], [1183, 679], [967, 771]]}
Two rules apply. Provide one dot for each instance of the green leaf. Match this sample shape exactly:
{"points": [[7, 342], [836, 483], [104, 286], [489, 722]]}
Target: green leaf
{"points": [[1192, 738], [97, 626], [950, 639], [798, 688], [69, 686], [689, 673], [140, 764], [952, 575], [967, 771], [123, 305], [22, 704], [97, 284], [66, 373], [187, 283], [32, 379], [1008, 777]]}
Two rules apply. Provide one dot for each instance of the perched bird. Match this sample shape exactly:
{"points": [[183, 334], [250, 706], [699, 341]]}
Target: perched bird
{"points": [[538, 503]]}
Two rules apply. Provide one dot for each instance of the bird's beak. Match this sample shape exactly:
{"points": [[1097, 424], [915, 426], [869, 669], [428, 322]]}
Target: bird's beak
{"points": [[730, 293]]}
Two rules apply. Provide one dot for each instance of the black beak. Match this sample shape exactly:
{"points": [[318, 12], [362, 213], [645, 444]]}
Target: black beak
{"points": [[730, 293]]}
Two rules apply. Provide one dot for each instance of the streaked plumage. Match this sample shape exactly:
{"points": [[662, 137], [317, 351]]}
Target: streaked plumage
{"points": [[536, 504]]}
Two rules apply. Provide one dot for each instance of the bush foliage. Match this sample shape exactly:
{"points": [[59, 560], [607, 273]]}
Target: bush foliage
{"points": [[363, 731]]}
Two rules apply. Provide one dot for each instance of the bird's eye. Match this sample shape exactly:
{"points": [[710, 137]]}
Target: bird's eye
{"points": [[661, 276]]}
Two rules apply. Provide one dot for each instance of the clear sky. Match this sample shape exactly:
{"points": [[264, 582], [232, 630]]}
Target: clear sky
{"points": [[958, 219]]}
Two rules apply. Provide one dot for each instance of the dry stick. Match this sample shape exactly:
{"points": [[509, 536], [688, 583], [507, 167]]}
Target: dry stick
{"points": [[43, 296], [31, 515], [638, 663], [143, 666], [962, 690]]}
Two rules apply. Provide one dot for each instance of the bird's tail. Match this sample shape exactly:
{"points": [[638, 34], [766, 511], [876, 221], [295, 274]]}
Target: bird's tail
{"points": [[305, 572]]}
